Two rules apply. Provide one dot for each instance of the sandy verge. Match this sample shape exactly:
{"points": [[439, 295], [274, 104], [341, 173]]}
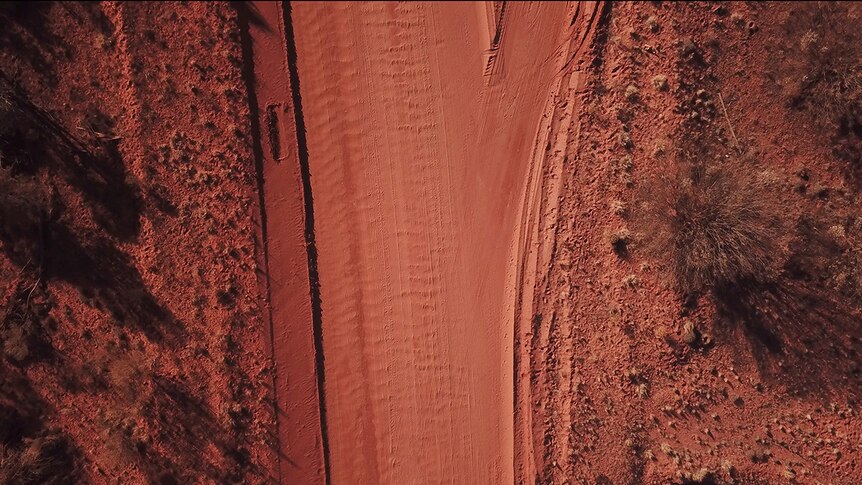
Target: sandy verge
{"points": [[301, 445]]}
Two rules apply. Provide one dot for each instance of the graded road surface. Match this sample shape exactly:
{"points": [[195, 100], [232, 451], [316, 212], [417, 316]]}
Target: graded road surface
{"points": [[420, 120]]}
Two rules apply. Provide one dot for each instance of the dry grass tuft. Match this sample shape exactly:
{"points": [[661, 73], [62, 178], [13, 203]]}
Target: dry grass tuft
{"points": [[716, 228], [821, 65]]}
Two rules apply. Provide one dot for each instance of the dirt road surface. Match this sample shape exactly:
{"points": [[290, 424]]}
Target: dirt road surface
{"points": [[299, 435], [419, 132]]}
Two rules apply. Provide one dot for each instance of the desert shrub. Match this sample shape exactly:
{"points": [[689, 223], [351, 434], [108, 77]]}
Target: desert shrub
{"points": [[828, 252], [619, 240], [16, 346], [26, 323], [821, 61], [818, 66], [127, 373], [715, 227], [124, 437], [46, 460]]}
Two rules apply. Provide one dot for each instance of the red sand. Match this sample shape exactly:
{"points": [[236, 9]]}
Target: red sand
{"points": [[417, 154], [616, 395], [158, 367], [296, 391]]}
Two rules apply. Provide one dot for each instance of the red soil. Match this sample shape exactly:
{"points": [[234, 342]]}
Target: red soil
{"points": [[368, 243], [297, 400], [617, 395], [158, 368]]}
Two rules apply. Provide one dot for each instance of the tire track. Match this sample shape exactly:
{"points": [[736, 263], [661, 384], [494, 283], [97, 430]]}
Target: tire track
{"points": [[408, 146], [544, 342]]}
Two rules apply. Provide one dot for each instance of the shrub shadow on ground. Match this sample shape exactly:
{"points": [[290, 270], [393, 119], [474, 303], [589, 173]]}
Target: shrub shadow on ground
{"points": [[108, 280], [801, 337], [25, 35], [32, 452], [194, 442], [91, 165]]}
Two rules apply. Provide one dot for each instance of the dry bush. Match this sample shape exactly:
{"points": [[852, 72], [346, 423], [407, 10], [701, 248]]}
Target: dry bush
{"points": [[818, 66], [821, 61], [46, 460], [16, 345], [125, 439], [716, 228], [25, 323], [828, 252], [128, 374]]}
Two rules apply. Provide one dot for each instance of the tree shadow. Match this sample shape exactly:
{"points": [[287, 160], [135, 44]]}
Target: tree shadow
{"points": [[61, 244], [33, 453], [193, 442], [26, 36], [22, 409], [91, 164], [106, 277], [94, 167], [90, 13], [27, 326], [108, 280], [847, 144], [250, 14]]}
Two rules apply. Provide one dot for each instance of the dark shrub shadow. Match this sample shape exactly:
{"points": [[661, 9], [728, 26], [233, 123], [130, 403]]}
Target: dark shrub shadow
{"points": [[23, 209], [816, 64], [93, 167], [26, 36], [91, 261], [22, 409], [801, 337], [90, 13], [848, 144], [250, 14], [26, 328], [105, 276], [34, 453]]}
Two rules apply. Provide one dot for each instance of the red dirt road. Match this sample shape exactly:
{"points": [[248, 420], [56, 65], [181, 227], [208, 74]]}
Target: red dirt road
{"points": [[296, 392], [418, 146]]}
